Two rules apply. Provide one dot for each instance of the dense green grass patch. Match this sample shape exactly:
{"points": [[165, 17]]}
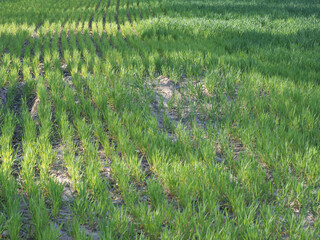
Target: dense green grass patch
{"points": [[159, 119]]}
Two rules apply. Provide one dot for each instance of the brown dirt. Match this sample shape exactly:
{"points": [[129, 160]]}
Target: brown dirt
{"points": [[176, 104], [34, 108], [60, 174]]}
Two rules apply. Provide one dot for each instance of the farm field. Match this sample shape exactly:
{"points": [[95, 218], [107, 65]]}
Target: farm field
{"points": [[172, 119]]}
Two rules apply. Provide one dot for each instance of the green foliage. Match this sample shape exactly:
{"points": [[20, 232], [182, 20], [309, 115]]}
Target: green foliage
{"points": [[161, 119]]}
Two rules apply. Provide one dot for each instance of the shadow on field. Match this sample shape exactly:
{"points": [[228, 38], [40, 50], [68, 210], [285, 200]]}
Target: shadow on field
{"points": [[291, 56], [234, 9], [272, 53], [33, 16]]}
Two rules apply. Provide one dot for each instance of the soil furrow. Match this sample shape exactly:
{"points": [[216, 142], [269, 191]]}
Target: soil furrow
{"points": [[105, 14], [138, 6], [92, 17], [116, 15]]}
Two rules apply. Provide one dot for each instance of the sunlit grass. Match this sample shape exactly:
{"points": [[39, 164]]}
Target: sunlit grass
{"points": [[159, 119]]}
